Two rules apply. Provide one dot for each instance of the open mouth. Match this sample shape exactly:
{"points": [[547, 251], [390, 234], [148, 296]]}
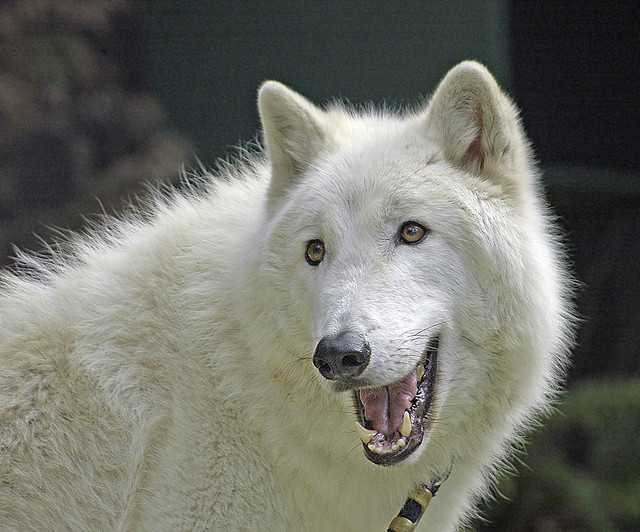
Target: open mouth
{"points": [[392, 420]]}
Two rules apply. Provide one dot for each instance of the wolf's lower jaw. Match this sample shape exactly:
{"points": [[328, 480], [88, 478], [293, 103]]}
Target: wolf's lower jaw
{"points": [[397, 444]]}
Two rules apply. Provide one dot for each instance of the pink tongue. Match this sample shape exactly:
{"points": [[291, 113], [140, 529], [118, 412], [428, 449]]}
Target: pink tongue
{"points": [[385, 406]]}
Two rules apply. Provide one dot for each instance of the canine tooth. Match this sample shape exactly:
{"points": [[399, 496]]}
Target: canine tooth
{"points": [[405, 428], [420, 372], [402, 442], [365, 434]]}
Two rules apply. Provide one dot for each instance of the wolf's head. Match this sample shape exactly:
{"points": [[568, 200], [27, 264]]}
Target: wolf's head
{"points": [[408, 256]]}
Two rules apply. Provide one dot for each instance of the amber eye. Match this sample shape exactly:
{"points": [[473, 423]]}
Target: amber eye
{"points": [[412, 232], [315, 252]]}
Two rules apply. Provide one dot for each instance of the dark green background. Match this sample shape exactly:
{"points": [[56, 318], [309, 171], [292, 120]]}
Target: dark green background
{"points": [[208, 58]]}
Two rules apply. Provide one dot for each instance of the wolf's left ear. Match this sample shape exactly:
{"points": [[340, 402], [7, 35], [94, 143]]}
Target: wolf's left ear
{"points": [[476, 125], [294, 133]]}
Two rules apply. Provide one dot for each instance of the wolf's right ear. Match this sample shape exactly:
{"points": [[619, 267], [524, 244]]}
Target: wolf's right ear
{"points": [[294, 133]]}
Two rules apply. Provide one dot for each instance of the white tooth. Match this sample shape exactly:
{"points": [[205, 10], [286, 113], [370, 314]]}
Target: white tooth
{"points": [[402, 442], [420, 372], [405, 429], [374, 448], [365, 434]]}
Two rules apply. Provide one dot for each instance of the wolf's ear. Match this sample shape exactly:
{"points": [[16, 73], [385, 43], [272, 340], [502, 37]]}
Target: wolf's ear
{"points": [[293, 130], [476, 125]]}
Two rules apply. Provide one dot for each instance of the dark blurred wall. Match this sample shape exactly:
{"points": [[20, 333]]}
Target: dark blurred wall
{"points": [[575, 65], [576, 78], [208, 58]]}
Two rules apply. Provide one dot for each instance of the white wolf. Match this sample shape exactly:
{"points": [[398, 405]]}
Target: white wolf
{"points": [[215, 361]]}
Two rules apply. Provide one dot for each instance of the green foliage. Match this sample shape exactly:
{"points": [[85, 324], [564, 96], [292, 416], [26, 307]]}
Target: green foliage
{"points": [[582, 470]]}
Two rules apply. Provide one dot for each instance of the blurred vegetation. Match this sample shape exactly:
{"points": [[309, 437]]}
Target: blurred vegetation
{"points": [[79, 132], [581, 471]]}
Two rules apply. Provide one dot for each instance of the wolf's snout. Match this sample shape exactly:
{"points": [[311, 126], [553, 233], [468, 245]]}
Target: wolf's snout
{"points": [[342, 356]]}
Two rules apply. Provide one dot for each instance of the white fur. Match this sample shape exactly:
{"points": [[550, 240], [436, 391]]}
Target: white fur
{"points": [[159, 374]]}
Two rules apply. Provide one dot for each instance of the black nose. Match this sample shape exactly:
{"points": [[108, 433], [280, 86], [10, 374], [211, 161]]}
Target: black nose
{"points": [[341, 356]]}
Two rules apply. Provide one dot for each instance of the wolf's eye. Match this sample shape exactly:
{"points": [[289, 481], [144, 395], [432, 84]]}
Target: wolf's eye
{"points": [[412, 232], [315, 252]]}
